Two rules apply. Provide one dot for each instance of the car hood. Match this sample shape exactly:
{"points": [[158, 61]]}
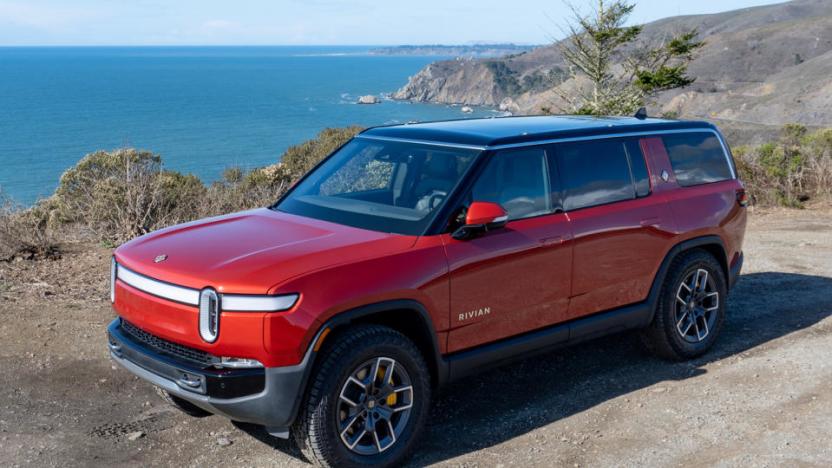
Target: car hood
{"points": [[251, 252]]}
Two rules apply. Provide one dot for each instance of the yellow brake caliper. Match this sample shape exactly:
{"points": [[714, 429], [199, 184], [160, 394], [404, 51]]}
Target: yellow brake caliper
{"points": [[391, 398]]}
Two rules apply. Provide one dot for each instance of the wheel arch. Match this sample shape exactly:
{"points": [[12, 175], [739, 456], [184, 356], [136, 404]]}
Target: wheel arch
{"points": [[712, 244], [408, 317]]}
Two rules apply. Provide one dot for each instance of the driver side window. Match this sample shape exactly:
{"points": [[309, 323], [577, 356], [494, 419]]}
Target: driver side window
{"points": [[519, 181]]}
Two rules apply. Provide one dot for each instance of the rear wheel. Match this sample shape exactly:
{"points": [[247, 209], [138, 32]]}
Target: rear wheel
{"points": [[691, 307], [368, 400]]}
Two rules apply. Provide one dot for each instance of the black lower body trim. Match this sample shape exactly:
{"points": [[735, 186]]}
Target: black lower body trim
{"points": [[468, 362]]}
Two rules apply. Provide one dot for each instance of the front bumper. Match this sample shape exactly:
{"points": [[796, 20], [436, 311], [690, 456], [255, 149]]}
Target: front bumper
{"points": [[269, 397]]}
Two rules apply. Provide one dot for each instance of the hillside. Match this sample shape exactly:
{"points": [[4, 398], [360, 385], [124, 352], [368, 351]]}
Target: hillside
{"points": [[760, 67]]}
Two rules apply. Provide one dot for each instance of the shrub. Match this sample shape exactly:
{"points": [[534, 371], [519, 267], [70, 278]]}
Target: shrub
{"points": [[24, 233], [124, 193], [790, 171], [239, 190]]}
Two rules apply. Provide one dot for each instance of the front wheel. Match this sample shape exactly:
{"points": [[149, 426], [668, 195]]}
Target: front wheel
{"points": [[691, 307], [367, 402]]}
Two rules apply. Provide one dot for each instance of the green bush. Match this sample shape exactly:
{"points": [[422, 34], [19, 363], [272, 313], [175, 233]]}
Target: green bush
{"points": [[790, 171], [121, 194]]}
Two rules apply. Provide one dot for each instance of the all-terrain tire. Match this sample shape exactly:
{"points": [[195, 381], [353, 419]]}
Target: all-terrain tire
{"points": [[316, 430], [182, 405], [662, 336]]}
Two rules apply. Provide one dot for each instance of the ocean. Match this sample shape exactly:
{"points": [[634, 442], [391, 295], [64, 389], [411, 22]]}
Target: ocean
{"points": [[203, 109]]}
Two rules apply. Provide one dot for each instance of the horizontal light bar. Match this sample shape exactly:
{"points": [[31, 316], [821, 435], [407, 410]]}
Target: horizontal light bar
{"points": [[228, 302], [158, 288], [240, 303]]}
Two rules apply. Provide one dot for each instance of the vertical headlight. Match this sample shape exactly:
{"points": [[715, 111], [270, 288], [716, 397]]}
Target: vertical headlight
{"points": [[113, 273], [209, 315]]}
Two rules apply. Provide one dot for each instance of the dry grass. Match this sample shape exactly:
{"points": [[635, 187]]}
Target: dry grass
{"points": [[24, 233]]}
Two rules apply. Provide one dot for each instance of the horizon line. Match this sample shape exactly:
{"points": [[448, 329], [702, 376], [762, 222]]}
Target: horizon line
{"points": [[519, 44]]}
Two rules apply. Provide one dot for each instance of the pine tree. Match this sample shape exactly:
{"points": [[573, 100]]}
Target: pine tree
{"points": [[613, 76]]}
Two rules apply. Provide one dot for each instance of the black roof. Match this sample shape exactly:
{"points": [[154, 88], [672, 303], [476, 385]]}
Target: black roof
{"points": [[513, 130]]}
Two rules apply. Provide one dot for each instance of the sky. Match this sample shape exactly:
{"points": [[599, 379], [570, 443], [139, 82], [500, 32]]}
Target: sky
{"points": [[308, 22]]}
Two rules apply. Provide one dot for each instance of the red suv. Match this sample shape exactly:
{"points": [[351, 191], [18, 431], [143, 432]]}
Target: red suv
{"points": [[418, 254]]}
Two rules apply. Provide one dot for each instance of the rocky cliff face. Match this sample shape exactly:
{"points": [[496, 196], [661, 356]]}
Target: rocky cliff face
{"points": [[760, 66], [461, 81]]}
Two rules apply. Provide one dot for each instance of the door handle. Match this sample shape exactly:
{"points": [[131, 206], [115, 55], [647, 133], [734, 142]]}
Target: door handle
{"points": [[556, 240], [650, 222]]}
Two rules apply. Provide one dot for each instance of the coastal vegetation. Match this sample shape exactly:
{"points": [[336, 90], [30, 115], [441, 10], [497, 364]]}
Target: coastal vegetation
{"points": [[113, 196], [790, 171]]}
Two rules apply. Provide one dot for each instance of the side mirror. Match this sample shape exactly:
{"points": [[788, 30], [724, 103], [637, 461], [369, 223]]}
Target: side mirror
{"points": [[481, 217]]}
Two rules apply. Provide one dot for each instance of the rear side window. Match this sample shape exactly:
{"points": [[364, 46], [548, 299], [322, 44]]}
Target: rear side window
{"points": [[595, 173], [697, 158]]}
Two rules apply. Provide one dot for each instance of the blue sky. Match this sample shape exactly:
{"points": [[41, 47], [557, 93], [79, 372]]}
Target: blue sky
{"points": [[296, 22]]}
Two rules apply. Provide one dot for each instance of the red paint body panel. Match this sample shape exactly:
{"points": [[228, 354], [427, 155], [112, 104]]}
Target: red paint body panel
{"points": [[618, 249], [418, 273], [522, 273]]}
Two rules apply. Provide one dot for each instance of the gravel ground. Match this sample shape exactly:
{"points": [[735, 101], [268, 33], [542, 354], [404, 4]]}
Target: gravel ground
{"points": [[760, 398]]}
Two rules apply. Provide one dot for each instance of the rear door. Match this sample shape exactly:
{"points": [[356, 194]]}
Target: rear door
{"points": [[517, 278], [621, 231]]}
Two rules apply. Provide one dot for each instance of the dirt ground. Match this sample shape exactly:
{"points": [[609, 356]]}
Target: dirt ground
{"points": [[760, 398]]}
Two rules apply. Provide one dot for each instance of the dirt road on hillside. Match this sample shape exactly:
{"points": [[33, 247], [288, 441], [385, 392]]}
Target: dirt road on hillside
{"points": [[760, 398]]}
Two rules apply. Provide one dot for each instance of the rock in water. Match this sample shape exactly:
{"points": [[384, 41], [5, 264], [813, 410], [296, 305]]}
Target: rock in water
{"points": [[369, 99], [466, 110]]}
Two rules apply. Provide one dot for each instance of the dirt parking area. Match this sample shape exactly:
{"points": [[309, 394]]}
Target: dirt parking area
{"points": [[760, 398]]}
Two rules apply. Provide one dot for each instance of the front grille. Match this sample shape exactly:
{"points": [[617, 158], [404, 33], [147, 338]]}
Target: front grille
{"points": [[163, 346]]}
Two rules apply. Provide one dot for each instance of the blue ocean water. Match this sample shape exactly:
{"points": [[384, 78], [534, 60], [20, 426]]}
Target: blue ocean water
{"points": [[202, 108]]}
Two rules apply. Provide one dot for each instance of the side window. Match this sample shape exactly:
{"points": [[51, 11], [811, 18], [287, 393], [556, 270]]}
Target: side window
{"points": [[518, 180], [595, 173], [697, 158]]}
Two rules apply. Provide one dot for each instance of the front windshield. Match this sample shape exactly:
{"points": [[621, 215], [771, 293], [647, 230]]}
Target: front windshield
{"points": [[381, 185]]}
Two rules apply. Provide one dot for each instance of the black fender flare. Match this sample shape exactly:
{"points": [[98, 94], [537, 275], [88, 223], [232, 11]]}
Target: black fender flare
{"points": [[684, 246], [362, 312]]}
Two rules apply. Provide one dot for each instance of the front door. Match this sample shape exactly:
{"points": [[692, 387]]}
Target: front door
{"points": [[517, 278]]}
